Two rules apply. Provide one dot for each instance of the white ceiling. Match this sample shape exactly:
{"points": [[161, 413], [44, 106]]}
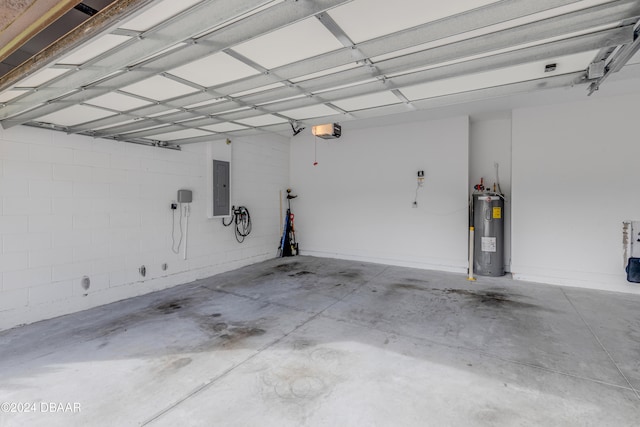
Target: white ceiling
{"points": [[198, 70]]}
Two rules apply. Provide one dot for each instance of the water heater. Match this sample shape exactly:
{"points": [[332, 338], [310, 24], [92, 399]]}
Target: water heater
{"points": [[488, 220]]}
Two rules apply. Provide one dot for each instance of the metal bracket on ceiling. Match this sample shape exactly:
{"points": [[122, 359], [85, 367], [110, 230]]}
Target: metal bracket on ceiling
{"points": [[335, 29], [618, 60], [295, 127]]}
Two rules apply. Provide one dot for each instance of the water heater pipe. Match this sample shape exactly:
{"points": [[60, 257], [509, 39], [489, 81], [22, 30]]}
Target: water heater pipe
{"points": [[471, 249], [497, 166]]}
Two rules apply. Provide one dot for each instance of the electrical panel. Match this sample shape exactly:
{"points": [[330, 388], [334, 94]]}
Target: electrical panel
{"points": [[221, 189], [185, 196]]}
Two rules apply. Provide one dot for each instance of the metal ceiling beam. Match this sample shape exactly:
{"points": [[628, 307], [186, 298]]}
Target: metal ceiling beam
{"points": [[328, 96], [100, 23], [494, 13], [618, 60], [194, 98], [491, 14], [573, 45], [28, 19], [195, 21], [536, 53], [501, 91], [335, 29], [567, 23], [167, 129], [535, 32], [555, 82]]}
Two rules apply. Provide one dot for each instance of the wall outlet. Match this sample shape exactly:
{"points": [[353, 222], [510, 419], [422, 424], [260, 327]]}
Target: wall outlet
{"points": [[174, 206]]}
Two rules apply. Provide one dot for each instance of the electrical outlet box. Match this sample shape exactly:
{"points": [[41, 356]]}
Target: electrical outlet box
{"points": [[185, 196]]}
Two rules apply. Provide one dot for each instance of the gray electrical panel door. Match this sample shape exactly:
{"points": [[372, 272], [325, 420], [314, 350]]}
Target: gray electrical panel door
{"points": [[221, 194]]}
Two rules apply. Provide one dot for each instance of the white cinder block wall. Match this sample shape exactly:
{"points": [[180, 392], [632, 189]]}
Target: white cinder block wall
{"points": [[575, 180], [73, 206], [357, 202]]}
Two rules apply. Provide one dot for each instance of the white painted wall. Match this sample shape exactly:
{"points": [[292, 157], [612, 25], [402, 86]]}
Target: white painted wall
{"points": [[357, 202], [490, 143], [575, 179], [74, 206]]}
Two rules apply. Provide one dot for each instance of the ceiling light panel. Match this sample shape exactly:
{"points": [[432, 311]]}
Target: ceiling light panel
{"points": [[157, 14], [118, 102], [319, 110], [204, 103], [42, 77], [391, 71], [224, 127], [572, 7], [93, 49], [513, 23], [476, 36], [126, 122], [382, 19], [520, 73], [295, 42], [341, 86], [256, 90], [325, 72], [73, 115], [367, 101], [163, 113], [11, 94], [232, 110], [238, 18], [157, 126], [214, 70], [163, 52], [265, 120], [159, 88], [180, 134]]}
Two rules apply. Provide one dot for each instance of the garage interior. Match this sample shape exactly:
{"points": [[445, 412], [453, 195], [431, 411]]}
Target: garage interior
{"points": [[147, 152]]}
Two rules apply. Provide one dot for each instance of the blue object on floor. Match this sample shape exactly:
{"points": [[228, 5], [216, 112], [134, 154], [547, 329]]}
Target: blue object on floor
{"points": [[633, 270]]}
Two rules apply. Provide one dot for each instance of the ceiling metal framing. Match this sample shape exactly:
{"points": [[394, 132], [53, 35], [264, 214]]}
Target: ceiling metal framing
{"points": [[101, 22], [269, 104], [193, 21], [609, 28], [617, 60]]}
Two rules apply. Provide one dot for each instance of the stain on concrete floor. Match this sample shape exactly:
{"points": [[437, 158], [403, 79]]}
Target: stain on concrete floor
{"points": [[398, 350]]}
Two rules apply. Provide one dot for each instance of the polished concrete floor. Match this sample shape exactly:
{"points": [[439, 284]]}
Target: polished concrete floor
{"points": [[318, 342]]}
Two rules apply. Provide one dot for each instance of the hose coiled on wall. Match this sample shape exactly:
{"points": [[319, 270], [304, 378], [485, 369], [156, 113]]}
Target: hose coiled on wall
{"points": [[240, 216]]}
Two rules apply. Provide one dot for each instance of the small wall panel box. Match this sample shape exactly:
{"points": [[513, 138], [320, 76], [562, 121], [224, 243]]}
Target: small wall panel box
{"points": [[185, 196]]}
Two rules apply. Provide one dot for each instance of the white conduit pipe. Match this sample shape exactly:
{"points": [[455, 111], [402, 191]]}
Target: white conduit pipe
{"points": [[471, 249], [187, 210]]}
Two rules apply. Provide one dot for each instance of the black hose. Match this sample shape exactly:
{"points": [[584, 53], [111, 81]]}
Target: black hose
{"points": [[242, 219]]}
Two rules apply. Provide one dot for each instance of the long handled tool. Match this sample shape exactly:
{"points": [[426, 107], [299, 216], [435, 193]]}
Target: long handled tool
{"points": [[284, 235], [288, 244]]}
